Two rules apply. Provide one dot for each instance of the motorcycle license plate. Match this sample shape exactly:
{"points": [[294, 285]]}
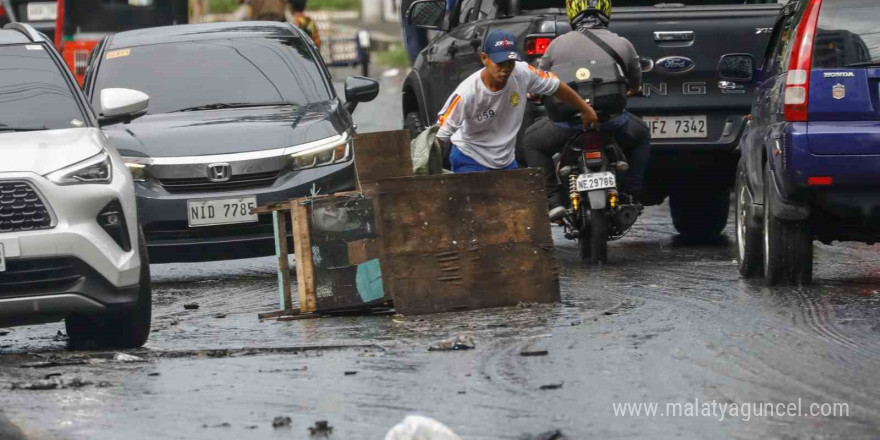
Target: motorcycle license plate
{"points": [[593, 181]]}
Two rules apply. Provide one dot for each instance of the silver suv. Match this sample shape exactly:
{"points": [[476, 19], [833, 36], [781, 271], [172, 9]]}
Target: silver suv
{"points": [[70, 246]]}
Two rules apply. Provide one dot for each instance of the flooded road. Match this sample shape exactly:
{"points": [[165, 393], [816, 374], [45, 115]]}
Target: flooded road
{"points": [[662, 323]]}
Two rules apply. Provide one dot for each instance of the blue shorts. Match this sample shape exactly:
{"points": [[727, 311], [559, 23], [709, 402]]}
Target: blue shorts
{"points": [[462, 163]]}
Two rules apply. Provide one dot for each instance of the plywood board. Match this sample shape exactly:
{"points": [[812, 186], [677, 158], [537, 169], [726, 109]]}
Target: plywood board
{"points": [[465, 241]]}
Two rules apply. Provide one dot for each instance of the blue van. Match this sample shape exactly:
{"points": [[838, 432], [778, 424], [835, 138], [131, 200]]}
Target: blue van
{"points": [[810, 165]]}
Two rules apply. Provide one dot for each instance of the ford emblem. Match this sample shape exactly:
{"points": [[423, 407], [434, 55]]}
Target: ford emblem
{"points": [[675, 64]]}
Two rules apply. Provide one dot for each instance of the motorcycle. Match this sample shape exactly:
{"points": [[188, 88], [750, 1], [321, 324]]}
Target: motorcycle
{"points": [[591, 163]]}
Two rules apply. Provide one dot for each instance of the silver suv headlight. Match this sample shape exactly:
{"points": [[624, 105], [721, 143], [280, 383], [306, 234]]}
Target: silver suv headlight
{"points": [[96, 169], [327, 152]]}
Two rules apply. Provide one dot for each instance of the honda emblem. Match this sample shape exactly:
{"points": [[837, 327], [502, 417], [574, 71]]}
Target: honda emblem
{"points": [[219, 172]]}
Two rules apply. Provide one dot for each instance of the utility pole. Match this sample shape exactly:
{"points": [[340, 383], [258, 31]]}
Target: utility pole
{"points": [[371, 11]]}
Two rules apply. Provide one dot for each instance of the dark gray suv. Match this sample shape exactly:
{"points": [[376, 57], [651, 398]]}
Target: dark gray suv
{"points": [[240, 115]]}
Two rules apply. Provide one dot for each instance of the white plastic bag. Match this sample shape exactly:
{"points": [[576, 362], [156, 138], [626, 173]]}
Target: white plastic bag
{"points": [[420, 428]]}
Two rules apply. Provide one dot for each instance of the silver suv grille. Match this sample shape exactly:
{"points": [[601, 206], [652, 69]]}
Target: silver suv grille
{"points": [[21, 208]]}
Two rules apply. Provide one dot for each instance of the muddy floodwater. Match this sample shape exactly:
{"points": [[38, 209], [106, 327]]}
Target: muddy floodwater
{"points": [[663, 323]]}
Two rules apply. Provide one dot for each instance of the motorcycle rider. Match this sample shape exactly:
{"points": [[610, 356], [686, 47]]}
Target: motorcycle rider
{"points": [[483, 115], [544, 138]]}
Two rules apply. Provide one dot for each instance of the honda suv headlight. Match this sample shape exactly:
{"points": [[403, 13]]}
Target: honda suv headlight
{"points": [[320, 153], [96, 169]]}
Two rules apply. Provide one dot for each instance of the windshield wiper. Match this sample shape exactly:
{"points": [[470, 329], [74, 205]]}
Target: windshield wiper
{"points": [[4, 127], [874, 63], [225, 105]]}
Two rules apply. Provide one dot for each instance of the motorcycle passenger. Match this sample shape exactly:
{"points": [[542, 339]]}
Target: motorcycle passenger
{"points": [[485, 112], [544, 138]]}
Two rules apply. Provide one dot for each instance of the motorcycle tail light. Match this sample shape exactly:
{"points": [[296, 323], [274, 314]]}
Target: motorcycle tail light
{"points": [[592, 155], [537, 45]]}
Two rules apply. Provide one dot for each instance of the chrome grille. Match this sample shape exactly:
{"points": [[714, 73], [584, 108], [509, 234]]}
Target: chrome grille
{"points": [[235, 183], [21, 208]]}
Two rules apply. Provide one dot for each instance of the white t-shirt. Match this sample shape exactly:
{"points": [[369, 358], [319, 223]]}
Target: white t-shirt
{"points": [[483, 124]]}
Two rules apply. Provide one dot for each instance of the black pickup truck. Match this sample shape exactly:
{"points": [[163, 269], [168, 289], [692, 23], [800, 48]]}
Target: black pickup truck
{"points": [[696, 119]]}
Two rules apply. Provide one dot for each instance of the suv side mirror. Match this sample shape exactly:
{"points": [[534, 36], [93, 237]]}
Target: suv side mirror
{"points": [[427, 14], [737, 67], [359, 89], [121, 104]]}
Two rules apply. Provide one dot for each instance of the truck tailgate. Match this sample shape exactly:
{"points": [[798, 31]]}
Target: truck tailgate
{"points": [[686, 43]]}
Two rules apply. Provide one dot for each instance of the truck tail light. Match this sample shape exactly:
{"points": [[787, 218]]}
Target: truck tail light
{"points": [[80, 62], [797, 84], [2, 11], [537, 45]]}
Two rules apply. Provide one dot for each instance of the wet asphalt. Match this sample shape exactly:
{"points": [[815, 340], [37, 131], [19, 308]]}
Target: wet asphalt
{"points": [[663, 322]]}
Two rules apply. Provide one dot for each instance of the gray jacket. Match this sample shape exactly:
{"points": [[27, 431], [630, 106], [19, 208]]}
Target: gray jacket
{"points": [[575, 45]]}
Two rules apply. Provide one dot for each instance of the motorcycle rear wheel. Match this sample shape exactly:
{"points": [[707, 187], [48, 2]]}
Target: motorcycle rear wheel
{"points": [[593, 240]]}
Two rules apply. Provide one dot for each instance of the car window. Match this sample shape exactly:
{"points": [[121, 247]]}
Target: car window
{"points": [[847, 34], [488, 10], [33, 91], [780, 41], [234, 71], [465, 11]]}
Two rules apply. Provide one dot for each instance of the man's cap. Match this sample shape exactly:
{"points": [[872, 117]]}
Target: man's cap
{"points": [[501, 46]]}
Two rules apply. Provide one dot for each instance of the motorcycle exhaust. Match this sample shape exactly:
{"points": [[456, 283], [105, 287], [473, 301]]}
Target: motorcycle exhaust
{"points": [[626, 216]]}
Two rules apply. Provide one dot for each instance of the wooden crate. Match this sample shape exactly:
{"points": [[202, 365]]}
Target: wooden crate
{"points": [[465, 241], [336, 254]]}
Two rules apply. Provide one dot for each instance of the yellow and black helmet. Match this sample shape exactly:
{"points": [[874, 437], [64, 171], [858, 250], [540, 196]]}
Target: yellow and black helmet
{"points": [[577, 9]]}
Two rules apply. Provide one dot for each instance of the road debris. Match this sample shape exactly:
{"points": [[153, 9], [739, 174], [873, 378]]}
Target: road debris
{"points": [[321, 429], [127, 358], [461, 342], [3, 332], [51, 384], [220, 316], [281, 422], [191, 306], [153, 374], [549, 435], [60, 337], [534, 353], [420, 428], [56, 362], [552, 386], [351, 373]]}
